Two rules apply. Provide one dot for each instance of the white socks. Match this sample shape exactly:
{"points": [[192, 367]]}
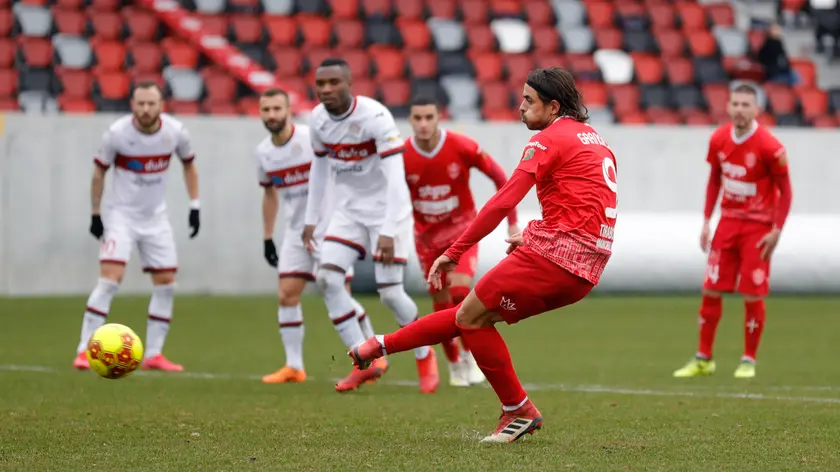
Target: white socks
{"points": [[98, 306], [404, 310], [160, 315], [364, 320], [290, 319], [340, 306]]}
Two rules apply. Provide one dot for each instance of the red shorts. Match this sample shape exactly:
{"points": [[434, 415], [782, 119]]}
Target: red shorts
{"points": [[525, 284], [466, 265], [734, 258]]}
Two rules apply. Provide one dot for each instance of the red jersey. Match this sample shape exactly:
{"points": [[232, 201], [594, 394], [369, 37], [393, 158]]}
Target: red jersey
{"points": [[576, 177], [749, 168], [439, 182]]}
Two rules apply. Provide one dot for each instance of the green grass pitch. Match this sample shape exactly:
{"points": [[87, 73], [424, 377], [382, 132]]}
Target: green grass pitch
{"points": [[598, 371]]}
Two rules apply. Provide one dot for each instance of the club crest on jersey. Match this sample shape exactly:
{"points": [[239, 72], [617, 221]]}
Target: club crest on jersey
{"points": [[721, 156], [454, 170], [412, 178], [528, 154], [749, 159]]}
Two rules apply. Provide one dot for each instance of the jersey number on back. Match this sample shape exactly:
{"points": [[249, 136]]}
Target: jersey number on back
{"points": [[606, 165]]}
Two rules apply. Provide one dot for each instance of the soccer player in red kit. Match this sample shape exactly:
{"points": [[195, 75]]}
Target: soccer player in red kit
{"points": [[750, 164], [555, 262], [437, 169]]}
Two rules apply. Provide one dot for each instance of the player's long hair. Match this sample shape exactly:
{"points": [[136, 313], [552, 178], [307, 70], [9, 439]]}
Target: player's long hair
{"points": [[555, 83]]}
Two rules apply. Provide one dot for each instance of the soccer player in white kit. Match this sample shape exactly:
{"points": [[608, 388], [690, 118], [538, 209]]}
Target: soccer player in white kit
{"points": [[139, 147], [283, 161], [357, 140]]}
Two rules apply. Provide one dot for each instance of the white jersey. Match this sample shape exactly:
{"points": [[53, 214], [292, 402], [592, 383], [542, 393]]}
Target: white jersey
{"points": [[357, 143], [140, 163], [286, 168]]}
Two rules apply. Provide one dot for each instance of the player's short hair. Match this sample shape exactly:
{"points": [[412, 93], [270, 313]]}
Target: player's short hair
{"points": [[334, 61], [146, 84], [275, 92], [746, 88], [556, 83], [423, 100]]}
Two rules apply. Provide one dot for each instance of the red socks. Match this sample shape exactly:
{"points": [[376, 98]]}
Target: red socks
{"points": [[458, 294], [427, 331], [492, 356], [710, 311], [753, 326], [450, 347]]}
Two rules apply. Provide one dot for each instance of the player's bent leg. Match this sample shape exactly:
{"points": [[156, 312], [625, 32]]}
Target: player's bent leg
{"points": [[98, 306], [461, 281], [160, 318], [290, 321]]}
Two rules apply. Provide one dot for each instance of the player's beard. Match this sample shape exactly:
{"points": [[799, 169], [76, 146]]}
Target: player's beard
{"points": [[147, 120], [275, 126]]}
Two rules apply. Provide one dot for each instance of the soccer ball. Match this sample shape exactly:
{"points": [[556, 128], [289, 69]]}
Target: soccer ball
{"points": [[114, 351]]}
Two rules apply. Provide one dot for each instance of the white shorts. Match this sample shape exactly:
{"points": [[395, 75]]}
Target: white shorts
{"points": [[154, 239], [347, 240], [296, 261]]}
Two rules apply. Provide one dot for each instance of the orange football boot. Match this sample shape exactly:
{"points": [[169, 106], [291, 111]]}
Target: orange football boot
{"points": [[382, 363], [81, 361], [427, 371], [159, 362], [515, 424], [359, 376], [285, 375]]}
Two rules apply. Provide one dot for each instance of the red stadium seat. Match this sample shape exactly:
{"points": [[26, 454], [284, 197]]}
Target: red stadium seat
{"points": [[107, 25], [539, 13], [663, 116], [692, 16], [721, 14], [629, 10], [594, 94], [76, 105], [552, 59], [6, 23], [638, 118], [583, 66], [70, 22], [215, 24], [366, 88], [345, 9], [289, 61], [506, 8], [145, 57], [702, 44], [249, 106], [500, 114], [110, 55], [717, 96], [545, 39], [648, 68], [517, 67], [825, 121], [474, 12], [220, 87], [36, 52], [415, 34], [680, 71], [68, 5], [625, 99], [9, 104], [381, 9], [671, 43], [395, 93], [480, 38], [105, 5], [297, 85], [314, 57], [142, 25], [246, 29], [388, 63], [495, 95], [156, 77], [409, 9], [697, 118], [181, 108], [764, 119], [447, 9], [601, 14], [219, 108], [814, 103], [350, 34], [316, 31], [359, 62], [75, 83], [248, 7], [113, 85], [488, 67], [8, 83], [7, 53], [807, 72], [423, 65], [282, 30], [609, 38], [780, 98], [180, 53]]}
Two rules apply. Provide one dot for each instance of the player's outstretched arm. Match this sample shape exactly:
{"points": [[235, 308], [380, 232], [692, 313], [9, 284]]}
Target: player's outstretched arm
{"points": [[493, 212]]}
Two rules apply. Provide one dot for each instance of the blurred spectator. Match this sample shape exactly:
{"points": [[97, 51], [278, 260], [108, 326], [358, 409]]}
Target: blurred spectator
{"points": [[826, 16], [773, 57]]}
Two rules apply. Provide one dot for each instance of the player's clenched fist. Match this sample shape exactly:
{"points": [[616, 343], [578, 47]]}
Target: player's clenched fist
{"points": [[270, 253], [195, 222], [441, 264], [308, 237], [385, 250], [96, 228]]}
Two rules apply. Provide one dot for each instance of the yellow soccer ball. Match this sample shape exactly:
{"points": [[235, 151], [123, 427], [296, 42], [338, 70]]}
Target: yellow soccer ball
{"points": [[114, 351]]}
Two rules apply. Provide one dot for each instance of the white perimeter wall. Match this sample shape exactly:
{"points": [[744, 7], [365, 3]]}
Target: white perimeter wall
{"points": [[45, 168]]}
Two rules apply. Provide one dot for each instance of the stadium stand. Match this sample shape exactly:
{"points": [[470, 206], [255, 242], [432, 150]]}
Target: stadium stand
{"points": [[638, 61]]}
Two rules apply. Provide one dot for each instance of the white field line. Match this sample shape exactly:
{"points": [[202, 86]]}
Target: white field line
{"points": [[602, 389]]}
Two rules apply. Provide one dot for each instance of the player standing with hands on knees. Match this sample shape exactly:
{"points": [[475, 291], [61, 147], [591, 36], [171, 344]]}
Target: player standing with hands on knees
{"points": [[437, 168], [554, 262], [357, 140], [750, 164], [139, 147]]}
